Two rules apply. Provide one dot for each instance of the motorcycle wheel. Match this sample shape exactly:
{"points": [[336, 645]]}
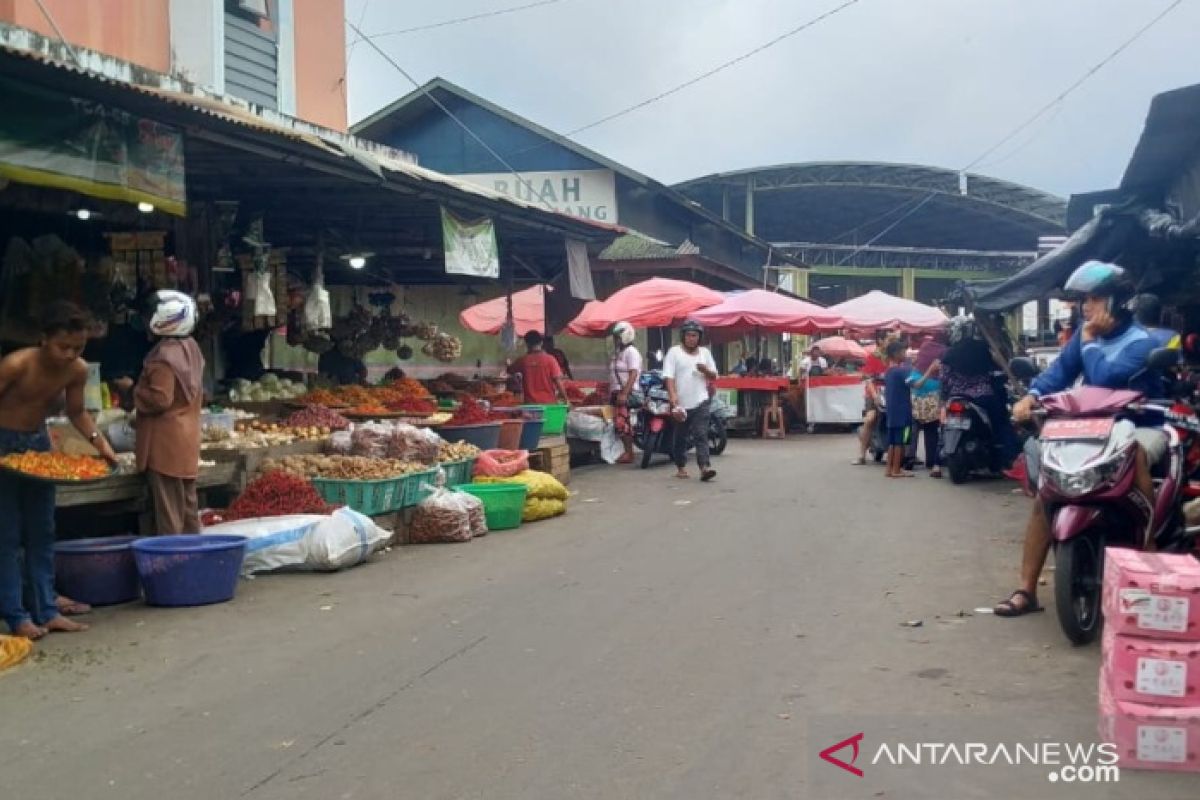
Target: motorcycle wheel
{"points": [[717, 439], [1079, 565], [650, 447], [959, 469]]}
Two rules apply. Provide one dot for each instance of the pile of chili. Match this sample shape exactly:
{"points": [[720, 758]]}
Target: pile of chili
{"points": [[471, 412], [318, 417], [276, 494], [56, 466]]}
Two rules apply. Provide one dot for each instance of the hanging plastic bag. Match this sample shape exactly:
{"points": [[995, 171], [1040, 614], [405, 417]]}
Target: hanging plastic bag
{"points": [[318, 313], [264, 298]]}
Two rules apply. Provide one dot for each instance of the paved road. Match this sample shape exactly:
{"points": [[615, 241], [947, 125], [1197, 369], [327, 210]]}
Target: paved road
{"points": [[665, 640]]}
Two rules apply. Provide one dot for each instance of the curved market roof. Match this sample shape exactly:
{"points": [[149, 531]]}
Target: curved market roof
{"points": [[852, 202]]}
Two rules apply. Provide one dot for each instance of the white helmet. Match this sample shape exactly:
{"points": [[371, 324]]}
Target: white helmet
{"points": [[174, 314], [624, 333]]}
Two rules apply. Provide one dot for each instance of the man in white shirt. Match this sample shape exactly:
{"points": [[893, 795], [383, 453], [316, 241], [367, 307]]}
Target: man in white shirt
{"points": [[688, 369], [813, 359]]}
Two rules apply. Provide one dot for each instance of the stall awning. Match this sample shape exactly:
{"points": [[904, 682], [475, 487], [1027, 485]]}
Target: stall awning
{"points": [[770, 312], [878, 310]]}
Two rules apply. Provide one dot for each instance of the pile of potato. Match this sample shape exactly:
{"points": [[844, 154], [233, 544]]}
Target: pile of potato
{"points": [[356, 468]]}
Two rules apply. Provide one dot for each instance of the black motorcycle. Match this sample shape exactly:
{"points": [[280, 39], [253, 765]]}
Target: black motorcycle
{"points": [[654, 427]]}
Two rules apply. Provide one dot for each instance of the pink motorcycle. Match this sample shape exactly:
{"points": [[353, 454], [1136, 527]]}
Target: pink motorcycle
{"points": [[1084, 474]]}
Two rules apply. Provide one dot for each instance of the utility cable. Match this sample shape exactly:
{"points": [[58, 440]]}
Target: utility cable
{"points": [[425, 91], [1025, 125], [457, 21]]}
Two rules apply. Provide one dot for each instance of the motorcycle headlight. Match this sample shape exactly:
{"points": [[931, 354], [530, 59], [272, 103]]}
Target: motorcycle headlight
{"points": [[1083, 481]]}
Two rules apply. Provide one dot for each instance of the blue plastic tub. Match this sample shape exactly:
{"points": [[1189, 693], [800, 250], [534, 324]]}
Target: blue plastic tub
{"points": [[189, 570], [531, 434], [101, 572]]}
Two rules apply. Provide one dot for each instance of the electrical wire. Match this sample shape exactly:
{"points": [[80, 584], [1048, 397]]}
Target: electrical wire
{"points": [[466, 129], [717, 69], [457, 21], [1026, 124], [361, 17]]}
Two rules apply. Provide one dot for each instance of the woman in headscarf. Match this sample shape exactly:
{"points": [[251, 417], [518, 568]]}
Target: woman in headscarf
{"points": [[926, 400], [168, 398]]}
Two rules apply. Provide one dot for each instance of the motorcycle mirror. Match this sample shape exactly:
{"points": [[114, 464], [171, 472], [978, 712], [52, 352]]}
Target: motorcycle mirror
{"points": [[1023, 368], [1162, 358]]}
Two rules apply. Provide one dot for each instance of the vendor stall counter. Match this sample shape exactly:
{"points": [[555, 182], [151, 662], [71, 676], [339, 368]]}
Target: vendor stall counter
{"points": [[834, 399], [753, 396]]}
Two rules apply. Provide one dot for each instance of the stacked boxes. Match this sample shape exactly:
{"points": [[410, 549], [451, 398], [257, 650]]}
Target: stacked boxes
{"points": [[1150, 678]]}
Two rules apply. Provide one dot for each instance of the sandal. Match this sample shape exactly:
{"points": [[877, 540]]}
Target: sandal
{"points": [[936, 472], [858, 462], [708, 474], [1008, 608]]}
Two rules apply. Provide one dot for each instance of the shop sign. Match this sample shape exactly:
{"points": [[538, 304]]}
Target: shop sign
{"points": [[470, 246], [587, 194], [66, 142]]}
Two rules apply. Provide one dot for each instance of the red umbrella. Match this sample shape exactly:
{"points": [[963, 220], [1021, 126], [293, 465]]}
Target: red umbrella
{"points": [[656, 303], [840, 347], [880, 310], [772, 312], [528, 306]]}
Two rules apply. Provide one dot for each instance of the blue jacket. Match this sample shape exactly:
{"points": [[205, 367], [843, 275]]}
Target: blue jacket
{"points": [[1109, 361]]}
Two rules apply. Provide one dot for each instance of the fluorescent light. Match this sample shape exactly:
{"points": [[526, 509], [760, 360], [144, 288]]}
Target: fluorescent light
{"points": [[145, 207], [357, 262], [83, 214]]}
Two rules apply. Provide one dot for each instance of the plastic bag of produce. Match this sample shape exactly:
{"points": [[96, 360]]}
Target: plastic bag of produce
{"points": [[409, 443], [306, 541], [581, 425], [476, 514], [537, 508], [541, 485], [371, 440], [264, 298], [318, 316], [501, 463], [611, 446], [444, 516], [341, 443]]}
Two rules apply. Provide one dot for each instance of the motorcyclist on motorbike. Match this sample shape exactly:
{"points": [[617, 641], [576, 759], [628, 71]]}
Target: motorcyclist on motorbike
{"points": [[1110, 351]]}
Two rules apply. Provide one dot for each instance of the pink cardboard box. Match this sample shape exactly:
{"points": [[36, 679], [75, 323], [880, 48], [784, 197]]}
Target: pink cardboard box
{"points": [[1151, 594], [1151, 671], [1151, 737]]}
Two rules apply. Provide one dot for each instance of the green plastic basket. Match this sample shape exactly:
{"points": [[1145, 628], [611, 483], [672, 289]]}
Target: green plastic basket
{"points": [[503, 503], [413, 487], [554, 418], [459, 471], [365, 497]]}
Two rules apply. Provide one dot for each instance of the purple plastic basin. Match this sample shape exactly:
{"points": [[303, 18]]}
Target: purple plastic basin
{"points": [[100, 572]]}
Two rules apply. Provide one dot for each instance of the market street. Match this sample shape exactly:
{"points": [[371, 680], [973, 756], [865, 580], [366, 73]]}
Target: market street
{"points": [[663, 640]]}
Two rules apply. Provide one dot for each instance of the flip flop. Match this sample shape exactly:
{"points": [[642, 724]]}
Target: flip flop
{"points": [[1006, 608], [707, 475], [858, 462], [74, 609]]}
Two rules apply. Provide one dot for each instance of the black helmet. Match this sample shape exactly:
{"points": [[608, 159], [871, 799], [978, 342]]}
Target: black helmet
{"points": [[691, 326], [1101, 279]]}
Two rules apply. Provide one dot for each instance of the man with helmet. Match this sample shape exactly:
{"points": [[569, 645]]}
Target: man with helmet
{"points": [[688, 368], [168, 397], [623, 370], [1109, 350]]}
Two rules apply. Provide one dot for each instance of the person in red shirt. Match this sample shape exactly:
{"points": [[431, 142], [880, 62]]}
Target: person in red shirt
{"points": [[541, 376], [873, 371]]}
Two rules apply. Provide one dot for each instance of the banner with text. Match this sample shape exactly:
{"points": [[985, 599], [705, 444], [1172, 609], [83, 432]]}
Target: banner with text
{"points": [[587, 194], [65, 142], [470, 246]]}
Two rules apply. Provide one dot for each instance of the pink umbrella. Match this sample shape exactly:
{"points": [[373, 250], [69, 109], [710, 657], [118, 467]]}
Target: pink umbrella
{"points": [[529, 312], [841, 347], [880, 310], [758, 309], [655, 303]]}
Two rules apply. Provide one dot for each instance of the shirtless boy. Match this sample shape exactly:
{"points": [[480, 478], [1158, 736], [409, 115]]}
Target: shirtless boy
{"points": [[31, 380]]}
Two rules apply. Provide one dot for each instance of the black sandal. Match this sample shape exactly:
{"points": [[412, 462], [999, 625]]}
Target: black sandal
{"points": [[708, 474], [1008, 608]]}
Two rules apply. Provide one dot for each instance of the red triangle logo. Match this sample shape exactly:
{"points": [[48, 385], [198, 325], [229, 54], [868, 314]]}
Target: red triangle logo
{"points": [[828, 754]]}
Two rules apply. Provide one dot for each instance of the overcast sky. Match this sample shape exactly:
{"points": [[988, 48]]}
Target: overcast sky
{"points": [[933, 82]]}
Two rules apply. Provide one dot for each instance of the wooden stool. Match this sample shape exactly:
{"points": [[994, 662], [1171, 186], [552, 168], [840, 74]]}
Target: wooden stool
{"points": [[774, 423]]}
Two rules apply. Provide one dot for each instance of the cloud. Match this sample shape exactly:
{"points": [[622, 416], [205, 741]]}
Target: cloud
{"points": [[924, 81]]}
